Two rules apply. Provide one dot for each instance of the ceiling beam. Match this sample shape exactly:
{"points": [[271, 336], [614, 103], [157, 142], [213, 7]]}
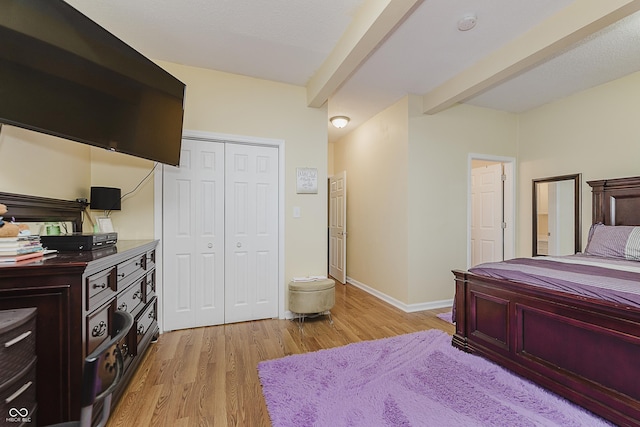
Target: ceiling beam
{"points": [[372, 24], [572, 24]]}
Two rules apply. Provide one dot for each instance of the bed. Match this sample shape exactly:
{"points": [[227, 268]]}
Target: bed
{"points": [[578, 345]]}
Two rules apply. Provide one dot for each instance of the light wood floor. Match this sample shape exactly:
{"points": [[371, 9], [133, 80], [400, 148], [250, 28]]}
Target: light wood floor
{"points": [[208, 376]]}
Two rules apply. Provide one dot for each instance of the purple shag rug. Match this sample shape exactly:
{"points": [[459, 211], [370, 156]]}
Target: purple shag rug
{"points": [[416, 379], [447, 317]]}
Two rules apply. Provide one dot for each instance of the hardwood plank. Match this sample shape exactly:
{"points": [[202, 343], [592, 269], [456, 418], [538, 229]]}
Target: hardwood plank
{"points": [[208, 376]]}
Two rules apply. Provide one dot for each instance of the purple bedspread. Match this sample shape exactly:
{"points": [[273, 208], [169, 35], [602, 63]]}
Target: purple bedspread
{"points": [[608, 279]]}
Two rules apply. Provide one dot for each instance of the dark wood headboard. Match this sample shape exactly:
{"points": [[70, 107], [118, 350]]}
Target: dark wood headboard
{"points": [[616, 201], [26, 208]]}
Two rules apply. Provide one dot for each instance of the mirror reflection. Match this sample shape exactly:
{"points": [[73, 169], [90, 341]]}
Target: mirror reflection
{"points": [[556, 215]]}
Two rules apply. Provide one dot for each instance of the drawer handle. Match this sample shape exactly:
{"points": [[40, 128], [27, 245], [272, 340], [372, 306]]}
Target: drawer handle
{"points": [[15, 395], [123, 306], [125, 349], [137, 295], [141, 330], [151, 314], [101, 285], [121, 274], [99, 329], [17, 339]]}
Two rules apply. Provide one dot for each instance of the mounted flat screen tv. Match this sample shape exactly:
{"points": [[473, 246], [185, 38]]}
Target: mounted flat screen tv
{"points": [[64, 75]]}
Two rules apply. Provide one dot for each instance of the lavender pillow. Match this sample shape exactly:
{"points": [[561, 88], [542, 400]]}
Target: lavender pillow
{"points": [[610, 241]]}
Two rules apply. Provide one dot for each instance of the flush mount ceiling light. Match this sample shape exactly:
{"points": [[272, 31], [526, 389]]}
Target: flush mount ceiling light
{"points": [[467, 22], [339, 121]]}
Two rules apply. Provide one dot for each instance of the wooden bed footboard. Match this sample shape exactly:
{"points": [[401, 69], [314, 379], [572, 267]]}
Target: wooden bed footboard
{"points": [[584, 350]]}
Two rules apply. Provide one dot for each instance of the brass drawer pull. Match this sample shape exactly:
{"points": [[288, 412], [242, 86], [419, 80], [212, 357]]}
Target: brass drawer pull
{"points": [[99, 329], [151, 314], [123, 306], [137, 295], [17, 394], [101, 285], [17, 339], [141, 330]]}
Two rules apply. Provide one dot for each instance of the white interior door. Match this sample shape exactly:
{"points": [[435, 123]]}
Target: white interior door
{"points": [[338, 227], [487, 214], [251, 216], [193, 235]]}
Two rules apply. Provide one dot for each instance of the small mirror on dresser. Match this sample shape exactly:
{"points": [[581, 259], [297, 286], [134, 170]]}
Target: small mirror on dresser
{"points": [[557, 215]]}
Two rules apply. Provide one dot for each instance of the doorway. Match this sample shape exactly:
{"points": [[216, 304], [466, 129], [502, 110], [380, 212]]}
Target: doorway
{"points": [[338, 227], [221, 233], [491, 212]]}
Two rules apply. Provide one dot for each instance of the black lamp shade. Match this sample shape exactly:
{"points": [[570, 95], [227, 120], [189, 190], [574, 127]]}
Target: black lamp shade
{"points": [[105, 198]]}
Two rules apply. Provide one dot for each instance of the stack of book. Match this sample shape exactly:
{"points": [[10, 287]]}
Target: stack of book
{"points": [[14, 249]]}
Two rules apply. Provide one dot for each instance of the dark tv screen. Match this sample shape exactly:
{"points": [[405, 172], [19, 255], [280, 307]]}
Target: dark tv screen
{"points": [[64, 75]]}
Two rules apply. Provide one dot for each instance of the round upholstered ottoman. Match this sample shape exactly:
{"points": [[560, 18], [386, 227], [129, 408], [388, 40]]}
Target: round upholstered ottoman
{"points": [[312, 297]]}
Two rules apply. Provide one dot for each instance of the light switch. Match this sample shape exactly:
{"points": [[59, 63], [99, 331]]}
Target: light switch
{"points": [[296, 211]]}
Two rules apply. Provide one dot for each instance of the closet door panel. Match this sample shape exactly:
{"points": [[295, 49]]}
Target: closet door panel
{"points": [[193, 235], [251, 213]]}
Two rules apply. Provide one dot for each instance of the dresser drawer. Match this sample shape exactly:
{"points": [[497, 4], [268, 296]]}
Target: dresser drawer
{"points": [[131, 270], [129, 347], [18, 396], [131, 299], [150, 286], [98, 327], [17, 341], [151, 260], [146, 321], [100, 286]]}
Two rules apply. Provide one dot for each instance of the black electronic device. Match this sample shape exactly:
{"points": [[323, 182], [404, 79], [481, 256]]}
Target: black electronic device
{"points": [[62, 74], [79, 241]]}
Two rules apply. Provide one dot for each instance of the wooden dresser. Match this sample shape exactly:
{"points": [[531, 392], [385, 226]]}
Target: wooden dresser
{"points": [[75, 294]]}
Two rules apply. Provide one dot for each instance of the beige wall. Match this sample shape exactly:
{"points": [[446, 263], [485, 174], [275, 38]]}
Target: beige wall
{"points": [[231, 104], [135, 219], [330, 168], [375, 158], [42, 165], [439, 148], [594, 133], [407, 189]]}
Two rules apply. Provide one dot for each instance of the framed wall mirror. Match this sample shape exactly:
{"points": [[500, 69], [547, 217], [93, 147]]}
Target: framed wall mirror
{"points": [[557, 222]]}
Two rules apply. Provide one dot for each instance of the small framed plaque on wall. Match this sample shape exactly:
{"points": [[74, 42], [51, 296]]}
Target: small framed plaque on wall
{"points": [[307, 180]]}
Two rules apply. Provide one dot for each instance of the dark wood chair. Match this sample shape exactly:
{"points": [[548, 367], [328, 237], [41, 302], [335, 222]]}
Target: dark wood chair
{"points": [[102, 371]]}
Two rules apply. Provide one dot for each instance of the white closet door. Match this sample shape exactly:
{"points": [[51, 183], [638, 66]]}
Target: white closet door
{"points": [[193, 234], [251, 223]]}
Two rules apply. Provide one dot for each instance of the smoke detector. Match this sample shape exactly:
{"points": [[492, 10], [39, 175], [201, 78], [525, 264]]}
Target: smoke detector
{"points": [[467, 22]]}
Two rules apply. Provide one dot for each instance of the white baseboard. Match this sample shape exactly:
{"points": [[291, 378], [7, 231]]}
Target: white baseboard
{"points": [[407, 308]]}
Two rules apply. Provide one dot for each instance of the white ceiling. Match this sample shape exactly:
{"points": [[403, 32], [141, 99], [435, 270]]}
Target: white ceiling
{"points": [[363, 55]]}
